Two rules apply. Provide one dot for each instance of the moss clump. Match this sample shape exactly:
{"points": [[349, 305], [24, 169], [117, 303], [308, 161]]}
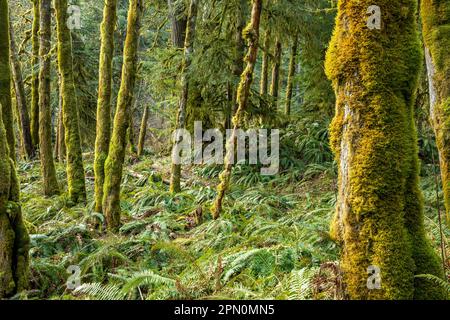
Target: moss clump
{"points": [[379, 216], [436, 30]]}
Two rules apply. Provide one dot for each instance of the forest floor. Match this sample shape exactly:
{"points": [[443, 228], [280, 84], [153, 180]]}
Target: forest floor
{"points": [[272, 241]]}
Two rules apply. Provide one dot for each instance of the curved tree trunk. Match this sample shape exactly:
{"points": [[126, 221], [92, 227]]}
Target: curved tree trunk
{"points": [[21, 98], [251, 35], [75, 170], [436, 31], [103, 136], [116, 156], [143, 132], [35, 76], [14, 240], [290, 83], [51, 187], [175, 179], [379, 215]]}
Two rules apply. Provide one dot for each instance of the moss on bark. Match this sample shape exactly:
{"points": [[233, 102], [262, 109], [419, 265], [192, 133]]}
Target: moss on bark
{"points": [[291, 75], [35, 75], [103, 136], [379, 216], [117, 148], [50, 183], [436, 31]]}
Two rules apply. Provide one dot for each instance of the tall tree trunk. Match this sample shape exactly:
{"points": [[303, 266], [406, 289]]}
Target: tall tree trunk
{"points": [[436, 31], [74, 163], [143, 132], [290, 83], [116, 156], [60, 149], [175, 179], [265, 64], [379, 215], [21, 98], [103, 136], [35, 76], [275, 85], [251, 35], [51, 187], [179, 22], [15, 243]]}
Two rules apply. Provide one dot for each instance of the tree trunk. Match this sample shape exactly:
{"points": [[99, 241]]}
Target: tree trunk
{"points": [[275, 85], [179, 22], [251, 35], [143, 132], [175, 180], [35, 76], [51, 187], [60, 150], [265, 65], [103, 136], [379, 216], [436, 31], [290, 84], [21, 98], [116, 156], [75, 171]]}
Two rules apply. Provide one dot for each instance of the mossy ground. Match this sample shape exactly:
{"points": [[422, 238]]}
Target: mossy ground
{"points": [[272, 240]]}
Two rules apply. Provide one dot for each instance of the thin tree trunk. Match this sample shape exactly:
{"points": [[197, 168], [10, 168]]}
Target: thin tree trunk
{"points": [[179, 22], [238, 66], [275, 85], [379, 216], [116, 156], [175, 180], [35, 76], [21, 99], [436, 30], [74, 163], [290, 84], [51, 187], [143, 132], [103, 136], [265, 65], [60, 150], [252, 38]]}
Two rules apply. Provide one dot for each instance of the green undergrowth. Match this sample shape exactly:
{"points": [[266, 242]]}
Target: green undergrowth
{"points": [[272, 242]]}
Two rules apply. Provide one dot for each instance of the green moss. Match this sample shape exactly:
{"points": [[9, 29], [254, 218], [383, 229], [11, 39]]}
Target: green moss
{"points": [[35, 75], [436, 31], [379, 216], [103, 136], [75, 169], [117, 148]]}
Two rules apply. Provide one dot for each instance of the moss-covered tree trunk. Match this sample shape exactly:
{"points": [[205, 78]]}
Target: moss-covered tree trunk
{"points": [[51, 187], [251, 35], [103, 136], [35, 76], [60, 146], [21, 99], [178, 21], [14, 240], [75, 170], [263, 86], [436, 30], [175, 179], [291, 75], [275, 85], [379, 215], [117, 148], [143, 132], [5, 79]]}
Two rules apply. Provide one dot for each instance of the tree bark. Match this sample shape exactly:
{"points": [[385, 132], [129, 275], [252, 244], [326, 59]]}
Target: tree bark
{"points": [[35, 76], [175, 179], [116, 156], [143, 132], [275, 85], [379, 216], [251, 35], [178, 21], [265, 65], [21, 98], [51, 187], [436, 31], [290, 83], [74, 164]]}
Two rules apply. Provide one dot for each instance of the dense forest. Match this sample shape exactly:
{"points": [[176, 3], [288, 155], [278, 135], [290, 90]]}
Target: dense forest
{"points": [[225, 149]]}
